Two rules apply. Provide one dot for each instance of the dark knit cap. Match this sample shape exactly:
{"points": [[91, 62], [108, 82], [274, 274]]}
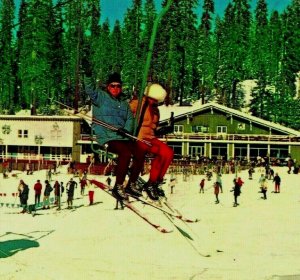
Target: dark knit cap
{"points": [[114, 78]]}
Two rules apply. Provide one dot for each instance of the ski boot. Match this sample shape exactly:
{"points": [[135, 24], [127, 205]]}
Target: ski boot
{"points": [[160, 192], [118, 192], [133, 189], [151, 190]]}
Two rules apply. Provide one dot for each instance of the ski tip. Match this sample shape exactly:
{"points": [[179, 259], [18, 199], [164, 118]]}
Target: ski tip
{"points": [[165, 230]]}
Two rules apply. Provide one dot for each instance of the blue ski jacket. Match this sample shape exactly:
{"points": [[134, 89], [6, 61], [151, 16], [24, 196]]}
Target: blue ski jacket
{"points": [[111, 110]]}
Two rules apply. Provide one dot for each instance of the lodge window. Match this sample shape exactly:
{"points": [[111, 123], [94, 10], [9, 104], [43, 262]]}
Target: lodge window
{"points": [[241, 126], [221, 129], [200, 128], [22, 133], [56, 134], [178, 129]]}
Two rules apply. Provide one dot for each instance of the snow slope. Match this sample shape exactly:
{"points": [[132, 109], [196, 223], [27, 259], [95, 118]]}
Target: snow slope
{"points": [[257, 240]]}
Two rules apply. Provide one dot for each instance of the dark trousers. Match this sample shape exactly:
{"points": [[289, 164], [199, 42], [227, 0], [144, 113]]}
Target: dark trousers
{"points": [[264, 192], [37, 198], [124, 150]]}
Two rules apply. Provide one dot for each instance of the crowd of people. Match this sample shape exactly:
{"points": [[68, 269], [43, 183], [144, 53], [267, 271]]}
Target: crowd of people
{"points": [[56, 188], [263, 181]]}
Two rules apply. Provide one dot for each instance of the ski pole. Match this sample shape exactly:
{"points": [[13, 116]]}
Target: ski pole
{"points": [[148, 59], [101, 123]]}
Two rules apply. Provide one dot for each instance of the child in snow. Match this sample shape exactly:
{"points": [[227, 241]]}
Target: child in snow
{"points": [[172, 184], [277, 181], [217, 191], [202, 183]]}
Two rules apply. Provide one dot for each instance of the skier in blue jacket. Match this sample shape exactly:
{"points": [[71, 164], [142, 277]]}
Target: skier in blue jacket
{"points": [[109, 107]]}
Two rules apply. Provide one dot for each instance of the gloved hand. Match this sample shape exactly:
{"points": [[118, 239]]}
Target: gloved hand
{"points": [[164, 130], [123, 131]]}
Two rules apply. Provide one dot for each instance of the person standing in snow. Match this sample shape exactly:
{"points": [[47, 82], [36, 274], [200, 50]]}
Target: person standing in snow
{"points": [[47, 192], [217, 191], [57, 193], [38, 191], [109, 107], [24, 196], [147, 130], [172, 185], [219, 180], [83, 183], [202, 183], [261, 181], [263, 185], [71, 185], [236, 191], [277, 181], [91, 192], [250, 172]]}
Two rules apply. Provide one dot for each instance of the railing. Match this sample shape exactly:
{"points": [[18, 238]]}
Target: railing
{"points": [[234, 137], [223, 137], [35, 157]]}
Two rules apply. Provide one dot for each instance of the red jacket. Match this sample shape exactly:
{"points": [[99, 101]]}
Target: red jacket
{"points": [[38, 188]]}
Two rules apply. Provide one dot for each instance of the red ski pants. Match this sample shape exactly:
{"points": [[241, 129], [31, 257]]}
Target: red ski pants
{"points": [[91, 197], [163, 156]]}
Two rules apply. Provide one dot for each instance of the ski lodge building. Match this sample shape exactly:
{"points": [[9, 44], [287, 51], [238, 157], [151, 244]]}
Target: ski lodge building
{"points": [[215, 131], [202, 130]]}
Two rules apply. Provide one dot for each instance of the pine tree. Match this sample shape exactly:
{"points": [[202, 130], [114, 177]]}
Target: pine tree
{"points": [[260, 57], [290, 56], [6, 57], [76, 14], [116, 48], [290, 65], [205, 53], [57, 51], [275, 43], [178, 36], [91, 36], [233, 43], [18, 97], [147, 26], [103, 56], [132, 46], [34, 58]]}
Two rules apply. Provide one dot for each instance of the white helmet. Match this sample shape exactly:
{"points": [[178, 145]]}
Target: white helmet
{"points": [[156, 92]]}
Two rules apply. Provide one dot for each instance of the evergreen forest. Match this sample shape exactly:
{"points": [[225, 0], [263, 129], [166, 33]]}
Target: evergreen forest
{"points": [[46, 45]]}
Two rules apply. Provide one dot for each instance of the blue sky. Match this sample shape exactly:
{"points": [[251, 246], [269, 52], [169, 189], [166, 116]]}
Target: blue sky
{"points": [[115, 9]]}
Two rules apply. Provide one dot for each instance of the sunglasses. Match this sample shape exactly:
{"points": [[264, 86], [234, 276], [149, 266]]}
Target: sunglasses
{"points": [[115, 85]]}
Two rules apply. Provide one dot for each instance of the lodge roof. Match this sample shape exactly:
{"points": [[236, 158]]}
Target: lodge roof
{"points": [[196, 108]]}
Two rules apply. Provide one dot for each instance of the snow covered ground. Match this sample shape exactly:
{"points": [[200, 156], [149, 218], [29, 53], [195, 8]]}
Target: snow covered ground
{"points": [[259, 239]]}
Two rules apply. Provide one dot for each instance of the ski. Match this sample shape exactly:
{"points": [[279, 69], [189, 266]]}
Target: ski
{"points": [[188, 237], [136, 211], [179, 213], [171, 210], [105, 188]]}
